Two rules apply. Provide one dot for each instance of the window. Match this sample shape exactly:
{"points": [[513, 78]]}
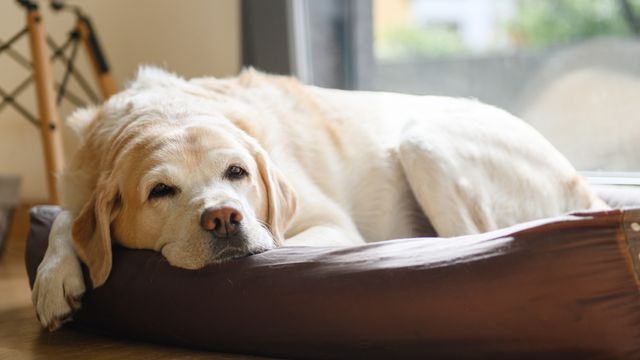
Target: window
{"points": [[570, 68]]}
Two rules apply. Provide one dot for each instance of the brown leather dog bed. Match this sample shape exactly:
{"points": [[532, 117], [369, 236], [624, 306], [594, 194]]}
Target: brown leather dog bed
{"points": [[556, 288]]}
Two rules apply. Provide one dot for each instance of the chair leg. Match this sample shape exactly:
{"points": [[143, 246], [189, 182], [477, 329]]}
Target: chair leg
{"points": [[97, 57], [47, 109]]}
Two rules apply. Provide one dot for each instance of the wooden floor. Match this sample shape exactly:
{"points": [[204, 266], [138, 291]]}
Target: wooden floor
{"points": [[21, 337]]}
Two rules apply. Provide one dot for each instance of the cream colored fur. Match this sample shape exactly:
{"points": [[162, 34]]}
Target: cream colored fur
{"points": [[326, 167]]}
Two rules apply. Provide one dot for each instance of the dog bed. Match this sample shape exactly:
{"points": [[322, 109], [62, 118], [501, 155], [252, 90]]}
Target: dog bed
{"points": [[555, 288]]}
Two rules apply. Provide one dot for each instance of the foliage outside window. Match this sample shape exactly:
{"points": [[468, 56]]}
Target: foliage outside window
{"points": [[532, 24]]}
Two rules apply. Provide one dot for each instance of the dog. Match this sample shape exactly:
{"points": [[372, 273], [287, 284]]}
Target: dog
{"points": [[207, 170]]}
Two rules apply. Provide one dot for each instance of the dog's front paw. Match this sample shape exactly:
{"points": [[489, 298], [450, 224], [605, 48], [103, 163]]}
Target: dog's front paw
{"points": [[57, 291]]}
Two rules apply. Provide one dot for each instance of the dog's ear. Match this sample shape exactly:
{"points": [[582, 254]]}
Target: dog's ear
{"points": [[91, 232], [78, 122], [150, 76], [76, 127], [281, 197]]}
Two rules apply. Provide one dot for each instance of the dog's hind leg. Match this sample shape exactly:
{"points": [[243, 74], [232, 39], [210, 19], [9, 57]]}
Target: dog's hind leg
{"points": [[445, 194], [470, 177]]}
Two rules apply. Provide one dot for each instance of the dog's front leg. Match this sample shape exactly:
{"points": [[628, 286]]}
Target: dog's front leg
{"points": [[59, 282]]}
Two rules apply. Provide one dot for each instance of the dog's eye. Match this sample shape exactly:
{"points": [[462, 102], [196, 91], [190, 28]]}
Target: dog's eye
{"points": [[162, 190], [235, 172]]}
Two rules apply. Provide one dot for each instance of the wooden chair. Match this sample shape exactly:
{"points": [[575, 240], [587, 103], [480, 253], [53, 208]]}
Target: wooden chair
{"points": [[42, 75]]}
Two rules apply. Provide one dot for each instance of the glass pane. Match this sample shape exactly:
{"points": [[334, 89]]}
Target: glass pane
{"points": [[571, 68]]}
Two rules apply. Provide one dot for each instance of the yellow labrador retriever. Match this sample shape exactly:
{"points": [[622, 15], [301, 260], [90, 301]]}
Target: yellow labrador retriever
{"points": [[207, 170]]}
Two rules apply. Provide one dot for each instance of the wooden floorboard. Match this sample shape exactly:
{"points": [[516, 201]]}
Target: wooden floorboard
{"points": [[21, 337]]}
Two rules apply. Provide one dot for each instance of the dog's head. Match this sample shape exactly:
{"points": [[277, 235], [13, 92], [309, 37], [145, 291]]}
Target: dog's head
{"points": [[169, 172]]}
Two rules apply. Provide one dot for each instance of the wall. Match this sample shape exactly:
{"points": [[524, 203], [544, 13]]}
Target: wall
{"points": [[198, 37]]}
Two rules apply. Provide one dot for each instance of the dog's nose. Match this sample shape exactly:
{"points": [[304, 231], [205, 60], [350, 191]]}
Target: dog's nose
{"points": [[222, 222]]}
